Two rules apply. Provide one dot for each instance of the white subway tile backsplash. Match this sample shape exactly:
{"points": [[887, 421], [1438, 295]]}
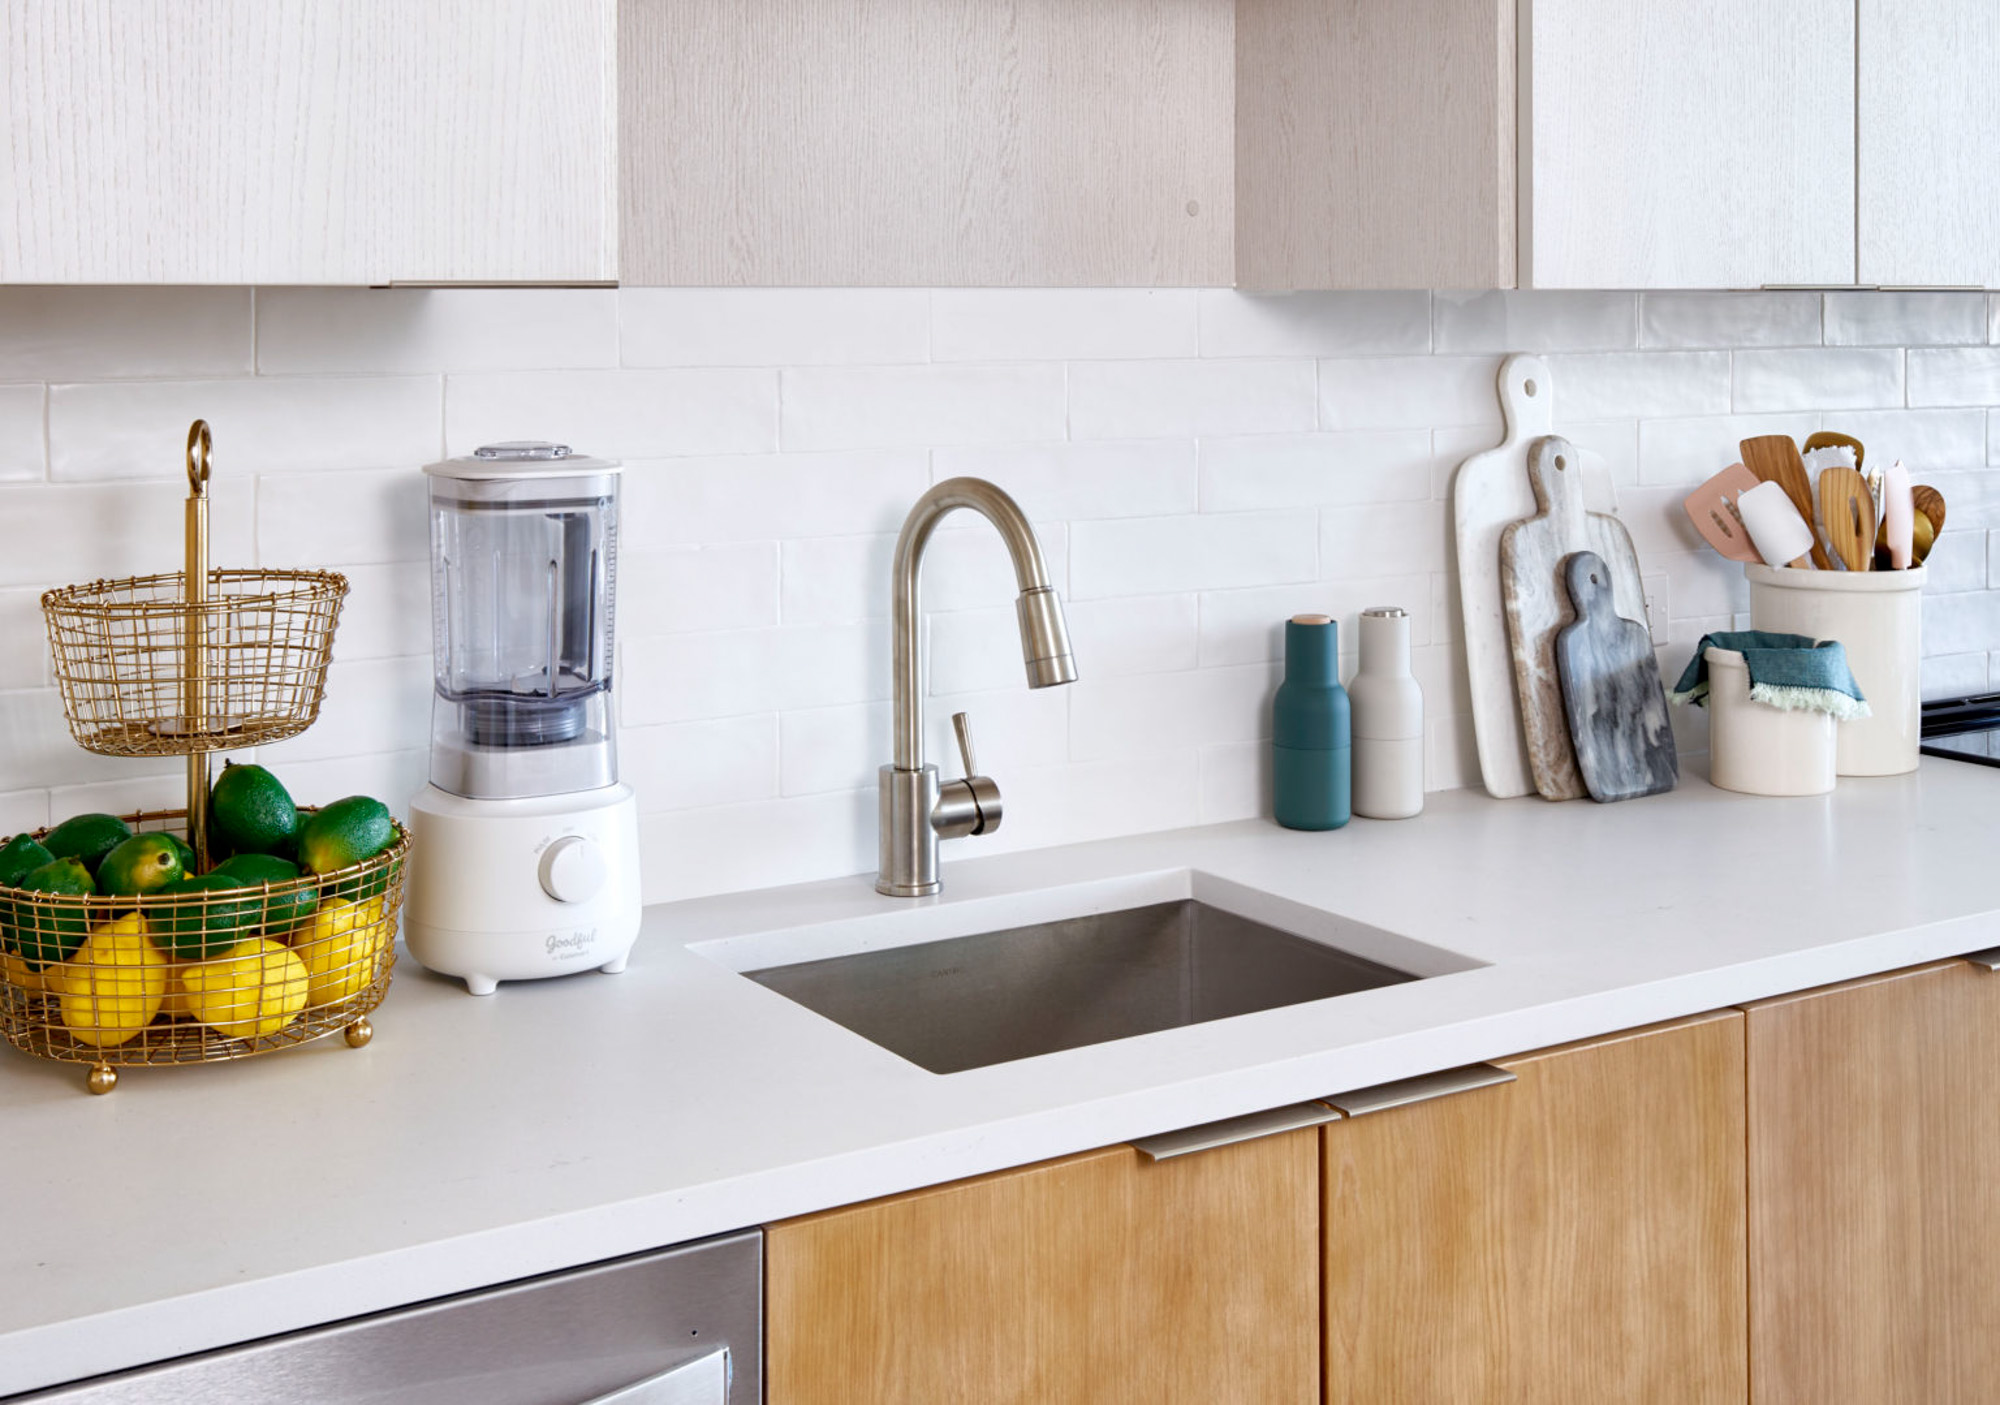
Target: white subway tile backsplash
{"points": [[1427, 392], [1386, 540], [316, 331], [1123, 719], [138, 429], [915, 406], [1968, 376], [1308, 470], [679, 590], [616, 414], [1905, 319], [24, 641], [1061, 324], [731, 673], [769, 496], [1818, 379], [1313, 324], [317, 519], [1639, 384], [1537, 321], [1729, 319], [1693, 450], [61, 334], [62, 534], [1174, 399], [23, 437], [772, 326], [1135, 634], [1199, 465], [726, 761], [1160, 555], [1248, 626], [1141, 478]]}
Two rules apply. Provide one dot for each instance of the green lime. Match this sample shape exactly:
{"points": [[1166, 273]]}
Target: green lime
{"points": [[343, 833], [186, 851], [282, 911], [19, 857], [251, 812], [198, 920], [44, 934], [87, 838], [142, 864]]}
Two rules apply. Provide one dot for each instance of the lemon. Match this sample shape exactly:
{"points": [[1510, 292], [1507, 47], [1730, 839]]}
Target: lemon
{"points": [[112, 987], [19, 973], [253, 989], [339, 946]]}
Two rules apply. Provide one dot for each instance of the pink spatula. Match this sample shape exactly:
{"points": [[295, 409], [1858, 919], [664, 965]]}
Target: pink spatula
{"points": [[1712, 509]]}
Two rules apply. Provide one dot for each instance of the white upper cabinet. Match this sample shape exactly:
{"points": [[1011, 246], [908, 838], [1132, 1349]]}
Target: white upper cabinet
{"points": [[1930, 142], [308, 141], [1688, 143]]}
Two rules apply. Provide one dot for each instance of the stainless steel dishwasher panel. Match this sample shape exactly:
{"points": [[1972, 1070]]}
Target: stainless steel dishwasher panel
{"points": [[645, 1330]]}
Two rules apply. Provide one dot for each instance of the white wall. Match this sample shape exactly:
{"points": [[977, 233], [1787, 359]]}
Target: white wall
{"points": [[1200, 464]]}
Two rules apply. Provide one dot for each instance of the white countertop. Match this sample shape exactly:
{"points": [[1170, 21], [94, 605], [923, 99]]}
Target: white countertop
{"points": [[561, 1122]]}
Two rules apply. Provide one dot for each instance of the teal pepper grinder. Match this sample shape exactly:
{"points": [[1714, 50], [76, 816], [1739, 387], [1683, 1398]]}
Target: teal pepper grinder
{"points": [[1311, 732]]}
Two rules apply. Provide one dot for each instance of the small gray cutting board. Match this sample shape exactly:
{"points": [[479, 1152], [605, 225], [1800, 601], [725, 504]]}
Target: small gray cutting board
{"points": [[1531, 556], [1489, 492], [1611, 692]]}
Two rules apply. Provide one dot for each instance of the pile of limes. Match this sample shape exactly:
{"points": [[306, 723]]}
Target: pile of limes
{"points": [[242, 948]]}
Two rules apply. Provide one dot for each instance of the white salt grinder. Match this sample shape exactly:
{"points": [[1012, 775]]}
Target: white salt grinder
{"points": [[1388, 720]]}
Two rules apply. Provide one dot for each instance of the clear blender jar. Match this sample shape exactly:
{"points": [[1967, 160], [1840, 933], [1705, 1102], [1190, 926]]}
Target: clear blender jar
{"points": [[524, 555]]}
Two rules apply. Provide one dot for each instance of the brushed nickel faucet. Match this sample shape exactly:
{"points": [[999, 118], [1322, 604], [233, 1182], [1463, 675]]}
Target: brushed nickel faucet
{"points": [[916, 811]]}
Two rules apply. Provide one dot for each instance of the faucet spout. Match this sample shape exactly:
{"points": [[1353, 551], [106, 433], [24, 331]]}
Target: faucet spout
{"points": [[1044, 633], [915, 810]]}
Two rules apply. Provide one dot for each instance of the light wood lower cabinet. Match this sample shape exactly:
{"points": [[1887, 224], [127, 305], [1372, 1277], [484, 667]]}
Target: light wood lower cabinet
{"points": [[1574, 1236], [1875, 1191], [1096, 1279]]}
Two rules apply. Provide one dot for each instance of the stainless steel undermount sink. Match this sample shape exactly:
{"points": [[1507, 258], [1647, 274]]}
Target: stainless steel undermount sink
{"points": [[967, 1002]]}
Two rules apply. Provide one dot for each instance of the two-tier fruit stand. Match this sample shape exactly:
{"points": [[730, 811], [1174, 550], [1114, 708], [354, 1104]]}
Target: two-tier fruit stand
{"points": [[190, 663]]}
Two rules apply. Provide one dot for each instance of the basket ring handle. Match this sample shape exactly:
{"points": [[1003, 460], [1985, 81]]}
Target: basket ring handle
{"points": [[197, 457]]}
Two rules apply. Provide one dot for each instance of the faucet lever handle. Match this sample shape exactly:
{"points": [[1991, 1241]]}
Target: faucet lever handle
{"points": [[961, 724]]}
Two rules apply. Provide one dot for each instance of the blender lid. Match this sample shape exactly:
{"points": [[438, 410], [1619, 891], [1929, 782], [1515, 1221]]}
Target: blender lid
{"points": [[522, 458]]}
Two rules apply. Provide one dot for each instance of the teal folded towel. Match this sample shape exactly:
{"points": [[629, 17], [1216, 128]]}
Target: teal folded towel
{"points": [[1787, 671]]}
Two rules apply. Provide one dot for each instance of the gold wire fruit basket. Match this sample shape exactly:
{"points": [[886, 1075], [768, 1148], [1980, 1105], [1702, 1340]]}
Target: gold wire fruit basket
{"points": [[188, 664], [179, 977], [121, 650]]}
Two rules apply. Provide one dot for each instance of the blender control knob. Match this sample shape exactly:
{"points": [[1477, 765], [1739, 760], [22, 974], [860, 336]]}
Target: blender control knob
{"points": [[572, 869]]}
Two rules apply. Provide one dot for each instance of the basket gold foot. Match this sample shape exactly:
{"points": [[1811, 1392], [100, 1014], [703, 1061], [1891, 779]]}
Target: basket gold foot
{"points": [[103, 1078], [359, 1033]]}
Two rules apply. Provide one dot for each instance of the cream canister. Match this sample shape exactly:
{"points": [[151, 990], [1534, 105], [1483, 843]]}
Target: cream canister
{"points": [[1388, 710]]}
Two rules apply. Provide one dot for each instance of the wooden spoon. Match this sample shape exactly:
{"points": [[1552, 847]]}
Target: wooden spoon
{"points": [[1774, 458], [1848, 514], [1828, 439], [1929, 503]]}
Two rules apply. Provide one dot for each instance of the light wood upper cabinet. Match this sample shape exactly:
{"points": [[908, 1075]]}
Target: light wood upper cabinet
{"points": [[1687, 146], [1100, 1278], [291, 141], [1929, 128], [1875, 1191], [1577, 1235], [971, 142], [1374, 144]]}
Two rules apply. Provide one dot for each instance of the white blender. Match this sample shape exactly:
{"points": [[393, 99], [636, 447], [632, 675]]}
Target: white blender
{"points": [[524, 855]]}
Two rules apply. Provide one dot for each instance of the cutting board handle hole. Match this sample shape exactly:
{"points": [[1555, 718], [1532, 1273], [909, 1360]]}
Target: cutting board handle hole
{"points": [[1561, 463], [1529, 387]]}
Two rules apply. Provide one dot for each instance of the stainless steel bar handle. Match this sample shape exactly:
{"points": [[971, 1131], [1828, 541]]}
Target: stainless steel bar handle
{"points": [[961, 724], [1420, 1089], [1990, 958], [1231, 1130]]}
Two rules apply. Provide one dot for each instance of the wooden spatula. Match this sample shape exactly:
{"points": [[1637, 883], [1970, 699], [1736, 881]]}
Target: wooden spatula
{"points": [[1712, 509], [1848, 514], [1774, 458]]}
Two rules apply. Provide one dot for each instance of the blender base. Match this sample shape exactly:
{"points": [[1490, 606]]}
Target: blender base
{"points": [[511, 890]]}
